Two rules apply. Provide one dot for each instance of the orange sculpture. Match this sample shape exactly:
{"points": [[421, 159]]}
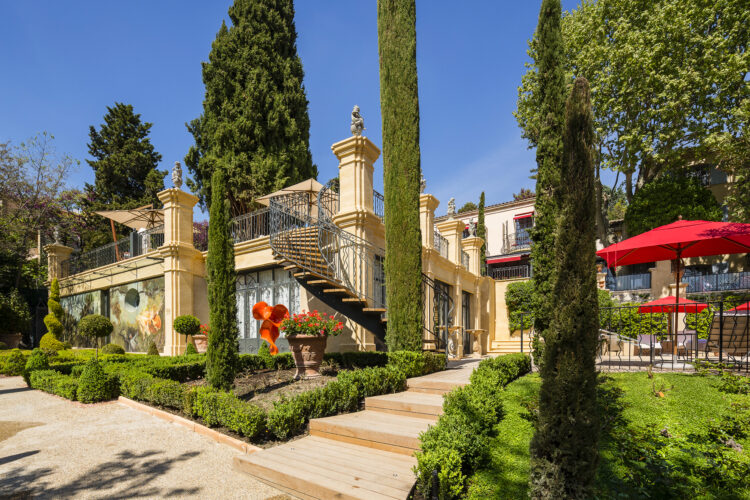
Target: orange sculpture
{"points": [[272, 318]]}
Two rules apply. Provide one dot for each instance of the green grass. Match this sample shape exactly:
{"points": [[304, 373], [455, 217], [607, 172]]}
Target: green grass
{"points": [[689, 405]]}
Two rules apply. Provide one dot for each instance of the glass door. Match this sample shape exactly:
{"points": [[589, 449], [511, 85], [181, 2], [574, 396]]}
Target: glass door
{"points": [[466, 322]]}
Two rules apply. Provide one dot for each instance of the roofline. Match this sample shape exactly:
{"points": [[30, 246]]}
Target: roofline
{"points": [[490, 208]]}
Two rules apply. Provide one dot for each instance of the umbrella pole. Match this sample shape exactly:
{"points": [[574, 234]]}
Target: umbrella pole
{"points": [[114, 239], [677, 306]]}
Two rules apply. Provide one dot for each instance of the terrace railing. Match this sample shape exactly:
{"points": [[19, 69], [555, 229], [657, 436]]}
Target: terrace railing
{"points": [[441, 244], [640, 281], [717, 282], [510, 273], [516, 242], [378, 204], [249, 226]]}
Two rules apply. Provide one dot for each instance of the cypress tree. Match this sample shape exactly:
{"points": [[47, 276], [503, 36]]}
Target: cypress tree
{"points": [[222, 355], [564, 447], [397, 47], [549, 61], [482, 233], [254, 124]]}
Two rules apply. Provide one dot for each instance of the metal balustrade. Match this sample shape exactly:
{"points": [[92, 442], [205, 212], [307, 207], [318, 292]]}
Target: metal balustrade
{"points": [[516, 242], [717, 282], [640, 281], [441, 244], [378, 204], [510, 273], [247, 227]]}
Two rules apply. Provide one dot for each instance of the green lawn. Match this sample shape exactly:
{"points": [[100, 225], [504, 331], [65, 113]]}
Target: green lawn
{"points": [[637, 460]]}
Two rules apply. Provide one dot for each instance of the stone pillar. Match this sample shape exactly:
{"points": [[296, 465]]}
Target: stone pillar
{"points": [[182, 263], [452, 230], [473, 246], [601, 280], [427, 206], [56, 254]]}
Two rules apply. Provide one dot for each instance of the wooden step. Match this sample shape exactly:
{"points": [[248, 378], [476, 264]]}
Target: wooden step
{"points": [[317, 468], [374, 429], [354, 299], [378, 310], [338, 291], [322, 282], [410, 404]]}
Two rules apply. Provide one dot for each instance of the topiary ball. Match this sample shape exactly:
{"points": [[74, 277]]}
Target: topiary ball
{"points": [[37, 361], [113, 349], [94, 385], [95, 326], [152, 349], [49, 342], [190, 349], [186, 325], [15, 363]]}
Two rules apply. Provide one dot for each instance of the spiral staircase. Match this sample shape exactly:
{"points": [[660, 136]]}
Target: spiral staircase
{"points": [[340, 269]]}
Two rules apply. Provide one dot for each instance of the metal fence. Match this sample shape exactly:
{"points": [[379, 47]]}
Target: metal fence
{"points": [[441, 244], [629, 282], [717, 282], [516, 242], [378, 204], [632, 337], [247, 227], [509, 273]]}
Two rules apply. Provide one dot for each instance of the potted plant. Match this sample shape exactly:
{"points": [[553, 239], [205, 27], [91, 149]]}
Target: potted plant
{"points": [[201, 340], [187, 325], [307, 334]]}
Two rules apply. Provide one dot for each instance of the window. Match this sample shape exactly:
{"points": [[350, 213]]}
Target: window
{"points": [[273, 286]]}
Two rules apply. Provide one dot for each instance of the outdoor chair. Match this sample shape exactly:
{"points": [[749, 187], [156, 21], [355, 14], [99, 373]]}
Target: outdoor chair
{"points": [[644, 344], [613, 343], [733, 339]]}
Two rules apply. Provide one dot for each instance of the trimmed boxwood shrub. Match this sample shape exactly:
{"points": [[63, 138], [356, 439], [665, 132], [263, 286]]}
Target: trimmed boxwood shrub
{"points": [[190, 349], [113, 349], [95, 385], [49, 342], [3, 346], [416, 364], [37, 361], [67, 367], [458, 444], [152, 349], [357, 359], [54, 382], [14, 363], [218, 408]]}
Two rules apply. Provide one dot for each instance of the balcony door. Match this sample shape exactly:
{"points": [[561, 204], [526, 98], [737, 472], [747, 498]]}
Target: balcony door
{"points": [[466, 322]]}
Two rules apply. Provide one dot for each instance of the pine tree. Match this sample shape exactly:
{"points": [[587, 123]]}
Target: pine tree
{"points": [[222, 355], [482, 233], [254, 124], [397, 45], [564, 447], [550, 59], [125, 171]]}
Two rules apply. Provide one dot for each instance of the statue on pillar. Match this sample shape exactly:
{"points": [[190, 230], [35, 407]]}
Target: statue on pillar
{"points": [[358, 123], [422, 183], [451, 208], [177, 175], [56, 234]]}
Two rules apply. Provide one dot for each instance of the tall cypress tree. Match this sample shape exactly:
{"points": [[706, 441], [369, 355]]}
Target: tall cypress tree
{"points": [[482, 233], [564, 447], [399, 101], [222, 355], [550, 58], [254, 124]]}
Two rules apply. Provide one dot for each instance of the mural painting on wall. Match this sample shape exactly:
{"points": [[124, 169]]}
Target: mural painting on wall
{"points": [[75, 308], [137, 312]]}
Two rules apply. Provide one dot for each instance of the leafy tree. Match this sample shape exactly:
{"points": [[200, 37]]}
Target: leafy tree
{"points": [[482, 233], [564, 452], [614, 202], [124, 164], [467, 207], [95, 327], [399, 97], [523, 194], [665, 199], [666, 76], [222, 355], [550, 94], [254, 124]]}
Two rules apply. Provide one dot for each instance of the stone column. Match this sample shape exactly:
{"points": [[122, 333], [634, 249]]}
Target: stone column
{"points": [[56, 254], [182, 263], [427, 206], [473, 246], [452, 230]]}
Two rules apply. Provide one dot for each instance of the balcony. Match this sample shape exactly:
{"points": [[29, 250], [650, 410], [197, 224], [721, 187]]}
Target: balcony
{"points": [[510, 273], [717, 282], [441, 244], [516, 242], [640, 281]]}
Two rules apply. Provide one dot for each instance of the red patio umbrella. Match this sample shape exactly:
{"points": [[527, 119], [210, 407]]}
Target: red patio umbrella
{"points": [[742, 307], [683, 238], [668, 303]]}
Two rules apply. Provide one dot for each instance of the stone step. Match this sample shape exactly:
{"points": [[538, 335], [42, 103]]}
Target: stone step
{"points": [[436, 383], [374, 429], [410, 404], [319, 468]]}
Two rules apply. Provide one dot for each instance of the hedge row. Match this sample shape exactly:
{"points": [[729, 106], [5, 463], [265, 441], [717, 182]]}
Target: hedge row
{"points": [[459, 443], [54, 382]]}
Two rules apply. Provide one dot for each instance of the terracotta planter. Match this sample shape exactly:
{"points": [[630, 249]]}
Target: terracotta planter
{"points": [[200, 342], [12, 340], [307, 351]]}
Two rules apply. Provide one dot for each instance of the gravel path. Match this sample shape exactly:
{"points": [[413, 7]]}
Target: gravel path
{"points": [[53, 448]]}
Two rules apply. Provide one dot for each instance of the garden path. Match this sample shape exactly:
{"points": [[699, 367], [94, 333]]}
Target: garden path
{"points": [[54, 448], [362, 455]]}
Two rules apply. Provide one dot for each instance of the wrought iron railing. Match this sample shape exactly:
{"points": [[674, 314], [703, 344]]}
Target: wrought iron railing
{"points": [[465, 260], [510, 273], [717, 282], [247, 227], [378, 204], [437, 319], [441, 244], [516, 242], [138, 243], [626, 282]]}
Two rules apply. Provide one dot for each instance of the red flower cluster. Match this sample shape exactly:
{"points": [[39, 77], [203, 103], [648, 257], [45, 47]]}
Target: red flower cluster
{"points": [[205, 329], [311, 323]]}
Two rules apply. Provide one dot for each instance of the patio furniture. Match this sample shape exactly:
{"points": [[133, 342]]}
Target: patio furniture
{"points": [[614, 343], [734, 338], [644, 344]]}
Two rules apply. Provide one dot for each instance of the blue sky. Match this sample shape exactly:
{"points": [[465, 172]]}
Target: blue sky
{"points": [[64, 62]]}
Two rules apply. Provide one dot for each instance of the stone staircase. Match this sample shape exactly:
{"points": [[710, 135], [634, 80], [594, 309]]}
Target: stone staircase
{"points": [[363, 455]]}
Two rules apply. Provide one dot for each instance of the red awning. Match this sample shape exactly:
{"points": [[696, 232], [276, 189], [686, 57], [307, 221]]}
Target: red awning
{"points": [[524, 215], [505, 259]]}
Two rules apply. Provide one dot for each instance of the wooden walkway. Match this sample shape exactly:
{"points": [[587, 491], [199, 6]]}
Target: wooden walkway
{"points": [[363, 455]]}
